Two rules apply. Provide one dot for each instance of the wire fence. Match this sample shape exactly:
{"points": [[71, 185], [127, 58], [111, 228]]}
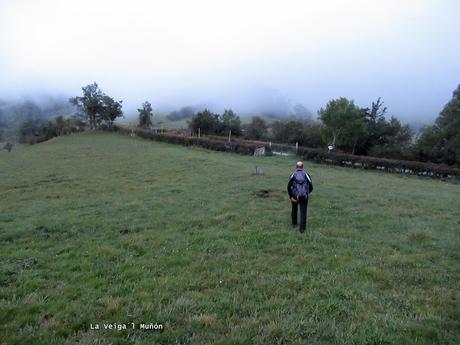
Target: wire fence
{"points": [[283, 149]]}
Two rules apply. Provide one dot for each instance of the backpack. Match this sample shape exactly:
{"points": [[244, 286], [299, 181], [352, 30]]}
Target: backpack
{"points": [[300, 186]]}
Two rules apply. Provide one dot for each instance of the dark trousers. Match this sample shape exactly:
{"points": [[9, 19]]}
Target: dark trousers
{"points": [[303, 213]]}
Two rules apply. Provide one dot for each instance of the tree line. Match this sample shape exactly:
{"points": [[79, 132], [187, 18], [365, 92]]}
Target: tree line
{"points": [[342, 125]]}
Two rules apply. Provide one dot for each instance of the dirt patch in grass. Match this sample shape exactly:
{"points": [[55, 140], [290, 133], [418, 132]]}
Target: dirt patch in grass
{"points": [[266, 193]]}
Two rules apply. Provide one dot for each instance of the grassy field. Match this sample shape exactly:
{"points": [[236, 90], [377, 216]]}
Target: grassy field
{"points": [[99, 228]]}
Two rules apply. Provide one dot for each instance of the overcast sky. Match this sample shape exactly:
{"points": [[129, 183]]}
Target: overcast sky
{"points": [[236, 53]]}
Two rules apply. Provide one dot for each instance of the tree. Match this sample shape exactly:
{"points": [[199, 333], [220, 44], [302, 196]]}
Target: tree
{"points": [[383, 138], [305, 133], [428, 146], [2, 119], [230, 122], [287, 131], [111, 110], [449, 118], [449, 124], [257, 129], [374, 127], [96, 107], [29, 131], [50, 130], [311, 135], [343, 123], [397, 133], [145, 115], [91, 104], [441, 142], [395, 141], [60, 126], [205, 121]]}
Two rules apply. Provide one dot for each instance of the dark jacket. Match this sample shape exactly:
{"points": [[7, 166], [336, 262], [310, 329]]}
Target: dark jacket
{"points": [[291, 181]]}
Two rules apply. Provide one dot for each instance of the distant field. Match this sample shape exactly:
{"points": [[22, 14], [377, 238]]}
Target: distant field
{"points": [[158, 122], [101, 228]]}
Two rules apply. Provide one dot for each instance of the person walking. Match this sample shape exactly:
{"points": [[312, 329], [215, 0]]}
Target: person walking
{"points": [[299, 187]]}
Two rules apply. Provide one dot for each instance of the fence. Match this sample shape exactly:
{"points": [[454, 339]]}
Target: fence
{"points": [[318, 155]]}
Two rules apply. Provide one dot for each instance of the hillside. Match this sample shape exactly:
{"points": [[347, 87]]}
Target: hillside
{"points": [[101, 228]]}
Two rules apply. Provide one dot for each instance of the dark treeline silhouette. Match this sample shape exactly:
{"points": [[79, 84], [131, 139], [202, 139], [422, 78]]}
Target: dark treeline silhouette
{"points": [[206, 122]]}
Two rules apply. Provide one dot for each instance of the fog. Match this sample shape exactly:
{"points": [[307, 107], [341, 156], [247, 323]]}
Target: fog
{"points": [[251, 56]]}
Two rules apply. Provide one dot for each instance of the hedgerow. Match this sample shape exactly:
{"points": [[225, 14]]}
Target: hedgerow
{"points": [[318, 155]]}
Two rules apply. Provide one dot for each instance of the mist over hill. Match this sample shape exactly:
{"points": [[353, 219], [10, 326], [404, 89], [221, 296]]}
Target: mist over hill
{"points": [[14, 111], [34, 111], [257, 58]]}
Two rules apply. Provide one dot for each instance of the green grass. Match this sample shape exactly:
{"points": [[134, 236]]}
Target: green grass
{"points": [[101, 228]]}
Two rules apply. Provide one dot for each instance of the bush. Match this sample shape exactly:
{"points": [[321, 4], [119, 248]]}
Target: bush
{"points": [[236, 146], [311, 135], [381, 164], [257, 129], [205, 122], [60, 126], [8, 146]]}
